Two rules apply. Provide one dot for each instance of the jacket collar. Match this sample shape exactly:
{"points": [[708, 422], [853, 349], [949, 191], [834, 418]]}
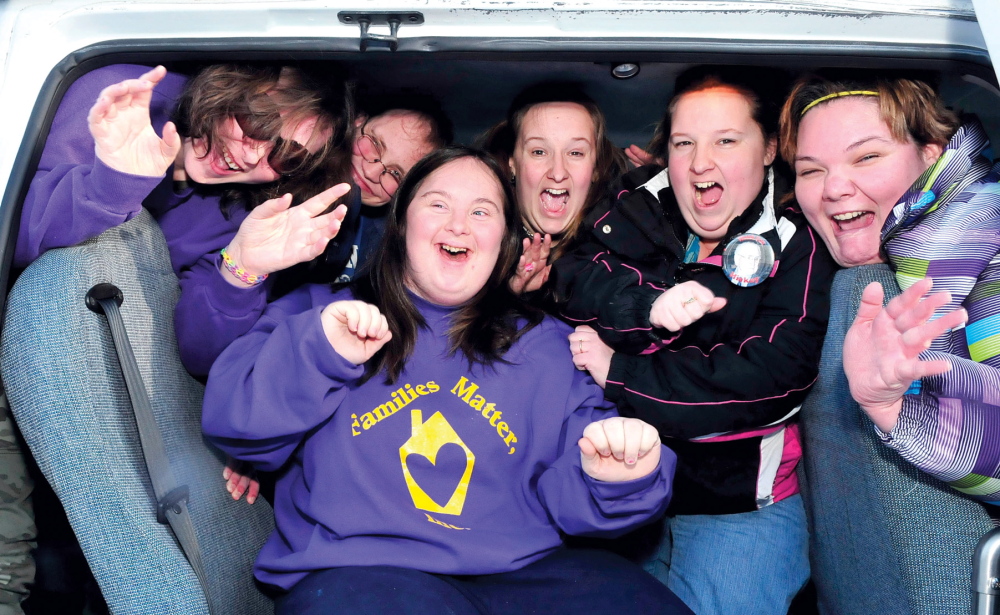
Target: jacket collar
{"points": [[963, 162], [759, 218]]}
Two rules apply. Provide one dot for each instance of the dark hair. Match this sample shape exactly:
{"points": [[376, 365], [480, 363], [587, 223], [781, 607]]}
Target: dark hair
{"points": [[610, 162], [442, 132], [908, 105], [486, 326], [266, 97], [763, 88]]}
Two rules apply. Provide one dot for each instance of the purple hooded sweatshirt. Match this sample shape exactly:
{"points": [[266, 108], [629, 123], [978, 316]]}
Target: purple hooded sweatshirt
{"points": [[452, 469], [75, 197]]}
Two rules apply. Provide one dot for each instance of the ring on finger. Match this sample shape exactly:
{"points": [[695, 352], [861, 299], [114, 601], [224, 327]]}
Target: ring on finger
{"points": [[581, 347], [688, 301]]}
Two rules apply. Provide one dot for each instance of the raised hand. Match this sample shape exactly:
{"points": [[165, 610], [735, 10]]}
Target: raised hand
{"points": [[619, 449], [356, 330], [640, 157], [275, 236], [591, 353], [882, 347], [532, 268], [123, 135], [683, 304]]}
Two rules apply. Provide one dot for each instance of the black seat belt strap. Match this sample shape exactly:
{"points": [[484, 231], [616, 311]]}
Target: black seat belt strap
{"points": [[171, 498]]}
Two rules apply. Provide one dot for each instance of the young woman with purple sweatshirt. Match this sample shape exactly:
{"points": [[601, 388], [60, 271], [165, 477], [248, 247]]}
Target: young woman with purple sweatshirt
{"points": [[433, 436], [245, 136]]}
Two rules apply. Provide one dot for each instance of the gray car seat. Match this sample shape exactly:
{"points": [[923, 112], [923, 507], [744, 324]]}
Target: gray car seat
{"points": [[885, 537], [66, 391]]}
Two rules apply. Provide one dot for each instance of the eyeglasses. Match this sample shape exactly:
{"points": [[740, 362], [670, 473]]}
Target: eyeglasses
{"points": [[287, 157], [371, 151]]}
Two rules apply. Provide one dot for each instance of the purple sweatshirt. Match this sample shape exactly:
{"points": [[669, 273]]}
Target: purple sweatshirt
{"points": [[451, 470], [74, 197], [210, 314]]}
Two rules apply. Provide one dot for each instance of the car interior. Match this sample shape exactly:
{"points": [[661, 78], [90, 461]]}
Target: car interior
{"points": [[63, 364]]}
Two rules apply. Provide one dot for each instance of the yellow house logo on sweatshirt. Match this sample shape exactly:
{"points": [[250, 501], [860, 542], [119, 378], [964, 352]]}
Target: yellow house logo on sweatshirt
{"points": [[426, 439]]}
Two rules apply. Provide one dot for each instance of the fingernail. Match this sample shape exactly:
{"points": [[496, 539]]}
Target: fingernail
{"points": [[630, 461]]}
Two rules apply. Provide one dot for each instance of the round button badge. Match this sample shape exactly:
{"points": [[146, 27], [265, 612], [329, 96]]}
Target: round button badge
{"points": [[748, 260]]}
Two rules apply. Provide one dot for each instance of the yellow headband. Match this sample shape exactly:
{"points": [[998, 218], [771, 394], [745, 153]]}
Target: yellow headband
{"points": [[837, 95]]}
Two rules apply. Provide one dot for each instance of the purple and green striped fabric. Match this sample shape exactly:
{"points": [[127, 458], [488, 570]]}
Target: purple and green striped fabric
{"points": [[947, 227]]}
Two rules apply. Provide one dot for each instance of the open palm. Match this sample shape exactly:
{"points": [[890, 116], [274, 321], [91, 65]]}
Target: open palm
{"points": [[123, 135], [276, 236], [882, 348]]}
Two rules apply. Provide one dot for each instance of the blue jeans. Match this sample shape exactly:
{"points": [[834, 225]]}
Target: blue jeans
{"points": [[748, 564]]}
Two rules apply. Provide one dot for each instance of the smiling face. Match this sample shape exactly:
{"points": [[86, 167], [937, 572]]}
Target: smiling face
{"points": [[553, 164], [402, 137], [849, 174], [747, 259], [717, 157], [236, 158], [454, 229]]}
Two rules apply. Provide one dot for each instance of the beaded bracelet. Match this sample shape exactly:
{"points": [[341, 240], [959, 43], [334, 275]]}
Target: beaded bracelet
{"points": [[239, 272]]}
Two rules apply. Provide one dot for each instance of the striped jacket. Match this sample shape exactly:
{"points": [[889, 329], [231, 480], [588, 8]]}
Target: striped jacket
{"points": [[947, 227], [722, 391]]}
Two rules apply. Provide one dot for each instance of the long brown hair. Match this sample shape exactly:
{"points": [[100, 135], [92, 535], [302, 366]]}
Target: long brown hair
{"points": [[266, 98], [610, 161], [482, 329]]}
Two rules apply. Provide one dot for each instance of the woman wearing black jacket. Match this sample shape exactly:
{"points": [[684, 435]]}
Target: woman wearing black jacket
{"points": [[703, 304]]}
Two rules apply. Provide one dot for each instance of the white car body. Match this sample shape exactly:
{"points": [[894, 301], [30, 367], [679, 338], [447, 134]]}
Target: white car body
{"points": [[476, 54], [39, 42]]}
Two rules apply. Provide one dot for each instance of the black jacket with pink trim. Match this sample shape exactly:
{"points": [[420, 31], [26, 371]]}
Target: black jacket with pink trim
{"points": [[745, 367]]}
